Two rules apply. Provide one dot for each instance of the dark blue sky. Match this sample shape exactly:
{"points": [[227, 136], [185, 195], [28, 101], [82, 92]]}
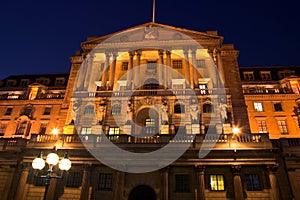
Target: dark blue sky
{"points": [[40, 36]]}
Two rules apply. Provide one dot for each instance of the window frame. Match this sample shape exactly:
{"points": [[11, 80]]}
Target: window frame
{"points": [[74, 179], [217, 182], [106, 182], [277, 107], [177, 64], [182, 183], [179, 108], [282, 125], [251, 184], [258, 107]]}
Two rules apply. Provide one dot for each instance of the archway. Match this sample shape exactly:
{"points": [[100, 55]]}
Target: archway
{"points": [[142, 192], [147, 121]]}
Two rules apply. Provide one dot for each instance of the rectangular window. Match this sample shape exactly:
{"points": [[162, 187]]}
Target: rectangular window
{"points": [[265, 75], [217, 182], [105, 181], [39, 181], [182, 183], [203, 88], [200, 63], [8, 111], [116, 110], [258, 107], [59, 81], [43, 128], [47, 111], [21, 128], [262, 126], [151, 64], [124, 66], [2, 129], [114, 131], [253, 182], [74, 179], [278, 107], [282, 126], [24, 82], [177, 64], [86, 130], [248, 76]]}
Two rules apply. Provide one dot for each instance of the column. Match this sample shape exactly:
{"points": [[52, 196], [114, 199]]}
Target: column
{"points": [[237, 182], [220, 66], [160, 69], [105, 70], [211, 68], [22, 185], [137, 70], [200, 169], [85, 182], [129, 71], [186, 66], [88, 66], [51, 188], [165, 183], [194, 69], [275, 194], [169, 72], [112, 71]]}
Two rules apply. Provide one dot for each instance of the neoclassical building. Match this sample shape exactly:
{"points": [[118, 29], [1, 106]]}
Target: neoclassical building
{"points": [[149, 89]]}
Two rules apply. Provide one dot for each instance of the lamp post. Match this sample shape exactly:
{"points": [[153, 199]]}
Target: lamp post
{"points": [[52, 160]]}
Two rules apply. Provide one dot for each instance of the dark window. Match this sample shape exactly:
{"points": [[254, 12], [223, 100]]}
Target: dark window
{"points": [[253, 182], [89, 110], [278, 107], [116, 110], [207, 108], [74, 179], [2, 129], [177, 64], [182, 183], [179, 108], [217, 182], [105, 181], [8, 111], [151, 65], [28, 111], [150, 126], [43, 128], [200, 63], [124, 66], [39, 181], [47, 111], [21, 128]]}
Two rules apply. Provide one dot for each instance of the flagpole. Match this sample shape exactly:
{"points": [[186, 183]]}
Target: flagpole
{"points": [[153, 11]]}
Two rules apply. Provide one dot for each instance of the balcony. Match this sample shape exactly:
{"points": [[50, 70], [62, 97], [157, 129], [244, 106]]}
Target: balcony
{"points": [[267, 91]]}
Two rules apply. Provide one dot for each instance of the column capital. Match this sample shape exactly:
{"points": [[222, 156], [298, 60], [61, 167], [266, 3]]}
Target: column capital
{"points": [[131, 53], [272, 168], [185, 51], [200, 168], [236, 169], [87, 167], [138, 53], [161, 52]]}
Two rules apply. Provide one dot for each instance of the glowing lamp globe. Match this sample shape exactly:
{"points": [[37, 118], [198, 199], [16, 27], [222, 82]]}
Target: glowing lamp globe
{"points": [[38, 163], [235, 130], [52, 159], [65, 164]]}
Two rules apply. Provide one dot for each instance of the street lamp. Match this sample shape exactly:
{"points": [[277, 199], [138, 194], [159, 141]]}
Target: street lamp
{"points": [[52, 160]]}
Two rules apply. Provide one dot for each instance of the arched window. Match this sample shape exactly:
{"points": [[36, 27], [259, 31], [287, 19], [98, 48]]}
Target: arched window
{"points": [[207, 108], [89, 110], [179, 108], [116, 110]]}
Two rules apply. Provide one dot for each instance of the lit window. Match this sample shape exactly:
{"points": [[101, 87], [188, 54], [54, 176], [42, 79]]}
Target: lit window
{"points": [[202, 88], [105, 181], [253, 182], [86, 130], [150, 126], [217, 182], [182, 183], [114, 131], [258, 107], [248, 76], [116, 110], [278, 107], [124, 66], [89, 110], [207, 108], [8, 111], [262, 126], [179, 108], [177, 64], [177, 86], [2, 129], [43, 128], [282, 126], [74, 179], [265, 75], [47, 111]]}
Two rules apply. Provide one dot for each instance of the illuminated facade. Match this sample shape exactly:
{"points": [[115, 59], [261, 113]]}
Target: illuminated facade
{"points": [[240, 166]]}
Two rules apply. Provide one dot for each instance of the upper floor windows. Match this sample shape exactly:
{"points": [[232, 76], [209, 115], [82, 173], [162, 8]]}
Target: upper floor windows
{"points": [[262, 126], [11, 83], [200, 63], [258, 107], [282, 126], [8, 111], [253, 182], [285, 73], [177, 64], [89, 110], [182, 183], [207, 108], [114, 131], [151, 64], [24, 82], [86, 130], [124, 66], [265, 75], [60, 81], [74, 179], [47, 111], [217, 182], [105, 181], [248, 76], [116, 110], [179, 108], [278, 107]]}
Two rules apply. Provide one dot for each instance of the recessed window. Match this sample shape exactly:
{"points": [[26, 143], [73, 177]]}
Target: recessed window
{"points": [[2, 129], [262, 126], [74, 179], [105, 181], [39, 181], [151, 64], [217, 182], [86, 130], [89, 110], [150, 126], [207, 108], [200, 63], [179, 108], [47, 111], [182, 183], [10, 83], [43, 128], [24, 82], [253, 182], [124, 66], [177, 64], [8, 111], [258, 107], [21, 128], [248, 76], [177, 86], [116, 110], [114, 131], [278, 107], [60, 81], [203, 88], [282, 126], [265, 75]]}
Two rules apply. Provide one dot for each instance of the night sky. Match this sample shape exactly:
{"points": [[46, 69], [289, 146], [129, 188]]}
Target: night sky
{"points": [[40, 36]]}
